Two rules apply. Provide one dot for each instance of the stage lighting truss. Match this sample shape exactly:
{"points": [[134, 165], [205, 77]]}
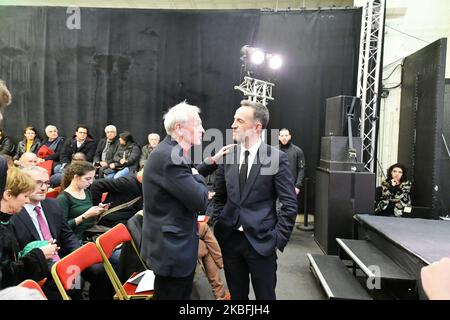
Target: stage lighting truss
{"points": [[256, 90], [256, 63]]}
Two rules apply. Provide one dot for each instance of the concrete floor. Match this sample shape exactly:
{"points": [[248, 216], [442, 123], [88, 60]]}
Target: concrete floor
{"points": [[295, 281]]}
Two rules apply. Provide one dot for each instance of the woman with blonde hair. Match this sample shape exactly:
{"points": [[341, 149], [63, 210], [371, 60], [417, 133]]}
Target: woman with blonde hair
{"points": [[15, 187]]}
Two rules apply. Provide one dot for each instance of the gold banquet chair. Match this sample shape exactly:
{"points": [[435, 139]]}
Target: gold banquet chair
{"points": [[106, 244], [67, 271]]}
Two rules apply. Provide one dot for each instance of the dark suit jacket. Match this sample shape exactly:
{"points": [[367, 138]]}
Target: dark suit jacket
{"points": [[70, 147], [119, 191], [269, 178], [172, 198], [26, 232]]}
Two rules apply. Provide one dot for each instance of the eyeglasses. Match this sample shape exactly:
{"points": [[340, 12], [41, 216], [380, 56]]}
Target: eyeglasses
{"points": [[41, 183]]}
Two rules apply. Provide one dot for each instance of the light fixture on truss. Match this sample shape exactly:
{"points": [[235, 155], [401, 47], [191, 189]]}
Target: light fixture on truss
{"points": [[257, 65]]}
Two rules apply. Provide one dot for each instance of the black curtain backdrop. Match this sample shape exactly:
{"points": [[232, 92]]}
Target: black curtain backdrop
{"points": [[126, 67]]}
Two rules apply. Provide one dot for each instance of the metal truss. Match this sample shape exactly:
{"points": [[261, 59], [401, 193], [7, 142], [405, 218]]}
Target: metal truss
{"points": [[369, 68], [256, 90]]}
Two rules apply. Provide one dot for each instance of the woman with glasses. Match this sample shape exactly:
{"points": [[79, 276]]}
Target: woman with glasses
{"points": [[14, 268]]}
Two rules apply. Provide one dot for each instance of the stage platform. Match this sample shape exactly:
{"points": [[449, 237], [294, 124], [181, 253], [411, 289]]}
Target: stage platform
{"points": [[411, 243]]}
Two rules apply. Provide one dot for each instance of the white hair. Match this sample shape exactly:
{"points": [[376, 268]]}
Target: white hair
{"points": [[49, 127], [111, 127], [153, 134], [178, 114]]}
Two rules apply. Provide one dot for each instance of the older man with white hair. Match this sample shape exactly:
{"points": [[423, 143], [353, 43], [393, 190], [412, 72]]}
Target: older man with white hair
{"points": [[106, 148], [153, 140], [174, 193]]}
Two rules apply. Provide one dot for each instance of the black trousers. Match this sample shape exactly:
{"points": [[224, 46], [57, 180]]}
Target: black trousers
{"points": [[170, 288], [241, 261]]}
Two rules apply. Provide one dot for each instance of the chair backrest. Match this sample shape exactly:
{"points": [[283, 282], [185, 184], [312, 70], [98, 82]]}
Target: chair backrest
{"points": [[106, 244], [53, 194], [31, 284], [109, 240], [66, 271]]}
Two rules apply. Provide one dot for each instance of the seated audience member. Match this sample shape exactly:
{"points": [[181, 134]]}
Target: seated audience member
{"points": [[55, 179], [28, 159], [106, 149], [30, 143], [15, 267], [51, 147], [76, 200], [153, 140], [126, 158], [81, 142], [42, 219], [436, 280], [7, 146], [395, 193], [120, 190]]}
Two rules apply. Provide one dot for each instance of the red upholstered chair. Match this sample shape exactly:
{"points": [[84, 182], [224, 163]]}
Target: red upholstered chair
{"points": [[106, 244], [66, 272], [31, 284], [54, 193]]}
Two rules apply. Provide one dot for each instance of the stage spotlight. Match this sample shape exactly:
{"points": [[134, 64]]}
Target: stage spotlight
{"points": [[255, 55], [275, 61]]}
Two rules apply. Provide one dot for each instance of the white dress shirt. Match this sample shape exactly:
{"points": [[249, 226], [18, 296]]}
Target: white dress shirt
{"points": [[253, 151]]}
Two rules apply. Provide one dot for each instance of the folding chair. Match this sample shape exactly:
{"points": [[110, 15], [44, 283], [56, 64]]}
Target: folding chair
{"points": [[66, 272], [31, 284], [106, 244]]}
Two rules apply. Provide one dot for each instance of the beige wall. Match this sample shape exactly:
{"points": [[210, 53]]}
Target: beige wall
{"points": [[410, 26]]}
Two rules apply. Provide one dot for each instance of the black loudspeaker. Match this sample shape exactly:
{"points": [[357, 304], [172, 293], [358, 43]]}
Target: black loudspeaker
{"points": [[336, 148], [336, 115], [339, 196]]}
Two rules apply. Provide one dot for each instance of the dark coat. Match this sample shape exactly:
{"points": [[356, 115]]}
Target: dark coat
{"points": [[12, 269], [172, 198], [26, 232], [57, 146], [70, 148], [21, 148], [119, 191], [296, 162], [130, 152], [7, 146], [109, 154]]}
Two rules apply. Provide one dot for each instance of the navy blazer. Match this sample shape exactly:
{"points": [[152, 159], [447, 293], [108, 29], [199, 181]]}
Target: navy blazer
{"points": [[173, 196], [270, 178], [26, 232]]}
